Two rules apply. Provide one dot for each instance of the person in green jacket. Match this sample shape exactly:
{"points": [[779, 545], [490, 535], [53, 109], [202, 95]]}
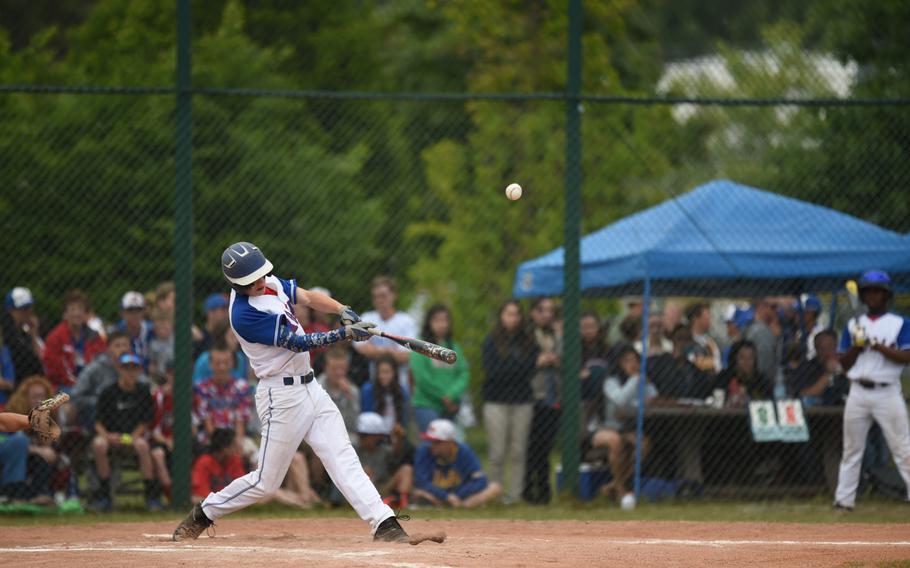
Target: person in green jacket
{"points": [[438, 387]]}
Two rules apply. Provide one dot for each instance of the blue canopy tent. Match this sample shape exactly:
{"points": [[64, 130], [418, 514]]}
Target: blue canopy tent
{"points": [[721, 239]]}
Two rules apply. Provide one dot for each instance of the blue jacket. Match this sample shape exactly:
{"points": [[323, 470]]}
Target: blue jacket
{"points": [[463, 476]]}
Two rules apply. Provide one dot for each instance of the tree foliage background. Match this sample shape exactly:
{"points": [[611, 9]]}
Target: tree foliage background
{"points": [[339, 189]]}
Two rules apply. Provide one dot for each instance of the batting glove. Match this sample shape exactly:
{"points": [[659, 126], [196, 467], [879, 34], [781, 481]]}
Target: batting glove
{"points": [[348, 316], [360, 331]]}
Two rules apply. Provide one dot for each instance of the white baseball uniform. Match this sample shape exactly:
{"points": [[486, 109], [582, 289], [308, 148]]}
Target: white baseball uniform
{"points": [[880, 400], [290, 413]]}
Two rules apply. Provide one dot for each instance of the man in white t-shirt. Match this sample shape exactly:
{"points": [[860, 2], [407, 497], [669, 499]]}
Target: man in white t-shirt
{"points": [[875, 348], [388, 319]]}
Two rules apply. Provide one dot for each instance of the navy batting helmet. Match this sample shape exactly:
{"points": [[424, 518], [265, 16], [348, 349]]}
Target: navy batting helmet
{"points": [[875, 279], [243, 263]]}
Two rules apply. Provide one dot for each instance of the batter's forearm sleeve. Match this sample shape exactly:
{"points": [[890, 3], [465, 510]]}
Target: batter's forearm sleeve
{"points": [[299, 343]]}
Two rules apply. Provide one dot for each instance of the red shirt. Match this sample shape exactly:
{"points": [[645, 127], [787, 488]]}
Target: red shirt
{"points": [[64, 359], [211, 476], [163, 422]]}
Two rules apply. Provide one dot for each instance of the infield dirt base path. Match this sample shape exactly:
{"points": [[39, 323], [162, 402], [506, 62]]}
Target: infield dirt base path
{"points": [[340, 542]]}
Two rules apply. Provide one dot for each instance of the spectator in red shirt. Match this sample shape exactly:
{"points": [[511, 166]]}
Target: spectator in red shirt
{"points": [[222, 401], [72, 344], [214, 470], [162, 427]]}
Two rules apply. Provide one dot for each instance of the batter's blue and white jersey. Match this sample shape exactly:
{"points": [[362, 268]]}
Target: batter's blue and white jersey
{"points": [[889, 329], [255, 321]]}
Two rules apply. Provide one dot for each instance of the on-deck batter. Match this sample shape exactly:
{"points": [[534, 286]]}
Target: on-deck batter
{"points": [[291, 405], [875, 347]]}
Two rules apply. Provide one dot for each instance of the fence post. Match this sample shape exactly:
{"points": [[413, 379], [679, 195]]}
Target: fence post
{"points": [[571, 363], [183, 261]]}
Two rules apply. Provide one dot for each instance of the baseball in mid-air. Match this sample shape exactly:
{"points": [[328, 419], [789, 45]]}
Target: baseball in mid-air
{"points": [[513, 192]]}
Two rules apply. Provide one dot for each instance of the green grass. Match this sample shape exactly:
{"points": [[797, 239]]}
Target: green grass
{"points": [[868, 511]]}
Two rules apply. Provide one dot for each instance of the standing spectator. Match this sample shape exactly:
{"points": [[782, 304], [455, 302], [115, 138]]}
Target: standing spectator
{"points": [[384, 395], [672, 316], [42, 457], [223, 401], [343, 392], [162, 428], [761, 335], [545, 393], [218, 466], [743, 380], [101, 373], [387, 318], [72, 344], [216, 320], [161, 346], [124, 410], [134, 323], [222, 334], [391, 472], [438, 386], [875, 350], [20, 333], [449, 473], [593, 367], [707, 352], [509, 358], [617, 432]]}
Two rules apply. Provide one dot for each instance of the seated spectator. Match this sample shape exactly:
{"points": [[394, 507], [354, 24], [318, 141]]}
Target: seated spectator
{"points": [[630, 329], [222, 334], [124, 410], [162, 428], [7, 373], [161, 346], [134, 323], [42, 457], [223, 401], [821, 379], [19, 326], [674, 374], [13, 463], [617, 432], [72, 344], [390, 471], [384, 395], [221, 464], [338, 385], [216, 321], [743, 381], [101, 373], [736, 318], [438, 387], [448, 473], [707, 355], [593, 368], [658, 344]]}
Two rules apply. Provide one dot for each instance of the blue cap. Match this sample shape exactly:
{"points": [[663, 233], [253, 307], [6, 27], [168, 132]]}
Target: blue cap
{"points": [[810, 302], [743, 317], [214, 301], [875, 279], [130, 359], [19, 297]]}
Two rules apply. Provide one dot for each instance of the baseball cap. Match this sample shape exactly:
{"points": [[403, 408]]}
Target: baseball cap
{"points": [[132, 300], [875, 279], [743, 317], [730, 313], [130, 359], [371, 423], [19, 297], [810, 302], [214, 301], [440, 430]]}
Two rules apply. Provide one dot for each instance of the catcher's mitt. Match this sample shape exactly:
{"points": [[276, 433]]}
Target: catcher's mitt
{"points": [[40, 421]]}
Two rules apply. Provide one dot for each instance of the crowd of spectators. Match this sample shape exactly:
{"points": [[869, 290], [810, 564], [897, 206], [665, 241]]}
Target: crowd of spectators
{"points": [[121, 376]]}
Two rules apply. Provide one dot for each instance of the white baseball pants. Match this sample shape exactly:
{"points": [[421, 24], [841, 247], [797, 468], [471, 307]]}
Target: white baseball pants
{"points": [[289, 415], [886, 406]]}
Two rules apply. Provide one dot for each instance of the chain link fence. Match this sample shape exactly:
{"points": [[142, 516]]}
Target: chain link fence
{"points": [[339, 189]]}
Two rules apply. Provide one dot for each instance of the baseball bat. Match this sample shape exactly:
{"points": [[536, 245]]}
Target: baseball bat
{"points": [[853, 297], [425, 348]]}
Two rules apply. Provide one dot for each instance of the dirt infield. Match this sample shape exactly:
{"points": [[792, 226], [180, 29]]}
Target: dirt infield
{"points": [[338, 542]]}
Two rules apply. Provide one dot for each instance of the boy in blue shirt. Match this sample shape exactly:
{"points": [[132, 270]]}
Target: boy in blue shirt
{"points": [[446, 472]]}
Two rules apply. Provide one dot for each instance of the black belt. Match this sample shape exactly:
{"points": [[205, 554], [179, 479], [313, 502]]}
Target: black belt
{"points": [[304, 379], [866, 384]]}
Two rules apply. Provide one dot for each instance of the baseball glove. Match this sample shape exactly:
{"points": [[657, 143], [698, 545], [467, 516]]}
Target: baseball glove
{"points": [[39, 418]]}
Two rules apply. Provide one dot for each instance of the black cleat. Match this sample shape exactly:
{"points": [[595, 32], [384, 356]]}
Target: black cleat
{"points": [[193, 525], [390, 531], [841, 508]]}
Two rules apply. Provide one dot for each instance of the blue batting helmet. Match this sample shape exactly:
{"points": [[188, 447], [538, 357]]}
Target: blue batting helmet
{"points": [[875, 279], [243, 263]]}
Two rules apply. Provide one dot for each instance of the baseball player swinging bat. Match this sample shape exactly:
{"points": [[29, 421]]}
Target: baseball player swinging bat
{"points": [[425, 348]]}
